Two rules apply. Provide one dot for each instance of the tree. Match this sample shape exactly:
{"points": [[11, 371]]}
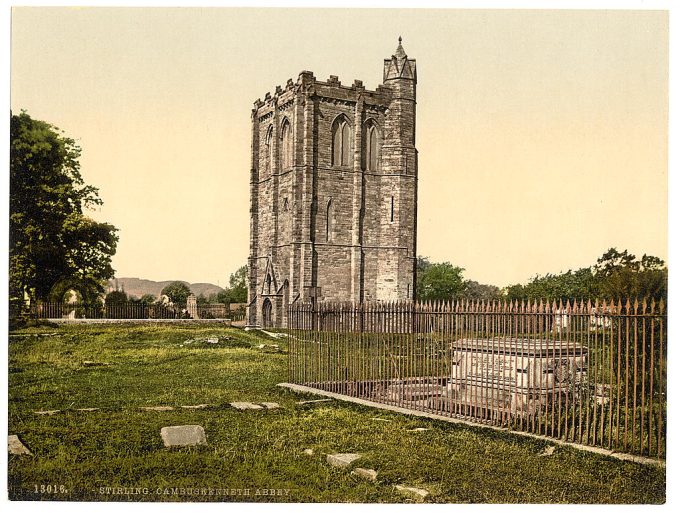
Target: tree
{"points": [[617, 274], [476, 290], [51, 240], [237, 292], [566, 286], [147, 299], [621, 274], [177, 292], [116, 296], [439, 281]]}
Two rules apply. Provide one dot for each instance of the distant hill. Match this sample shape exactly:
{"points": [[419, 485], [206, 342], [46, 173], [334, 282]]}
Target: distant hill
{"points": [[138, 287]]}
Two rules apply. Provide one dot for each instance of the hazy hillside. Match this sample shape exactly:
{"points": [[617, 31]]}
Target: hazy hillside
{"points": [[138, 287]]}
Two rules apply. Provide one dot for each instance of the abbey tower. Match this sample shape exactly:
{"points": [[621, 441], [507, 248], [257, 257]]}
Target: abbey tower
{"points": [[333, 192]]}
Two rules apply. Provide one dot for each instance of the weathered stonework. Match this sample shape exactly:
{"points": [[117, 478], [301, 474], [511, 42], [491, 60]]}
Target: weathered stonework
{"points": [[333, 192]]}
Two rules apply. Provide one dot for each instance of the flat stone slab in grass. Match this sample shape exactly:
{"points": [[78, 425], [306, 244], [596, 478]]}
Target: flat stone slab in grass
{"points": [[314, 401], [342, 459], [308, 452], [180, 436], [14, 446], [47, 412], [87, 409], [89, 363], [157, 408], [366, 473], [381, 420], [418, 430], [195, 406], [241, 405], [548, 451], [415, 492], [271, 406]]}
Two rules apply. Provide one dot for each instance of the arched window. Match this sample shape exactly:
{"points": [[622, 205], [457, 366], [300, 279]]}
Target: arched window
{"points": [[269, 284], [286, 146], [372, 148], [329, 220], [269, 152], [342, 142]]}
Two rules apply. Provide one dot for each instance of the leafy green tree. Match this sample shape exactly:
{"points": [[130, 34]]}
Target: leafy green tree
{"points": [[177, 292], [148, 299], [438, 281], [50, 238], [621, 274], [566, 286], [223, 297], [116, 296], [476, 290], [237, 292], [617, 274]]}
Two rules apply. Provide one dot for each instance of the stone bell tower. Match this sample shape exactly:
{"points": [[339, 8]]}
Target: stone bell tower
{"points": [[333, 192]]}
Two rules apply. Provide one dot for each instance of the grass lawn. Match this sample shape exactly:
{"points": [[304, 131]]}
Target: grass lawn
{"points": [[121, 368]]}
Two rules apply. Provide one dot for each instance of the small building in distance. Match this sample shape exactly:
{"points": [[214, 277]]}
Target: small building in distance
{"points": [[333, 192]]}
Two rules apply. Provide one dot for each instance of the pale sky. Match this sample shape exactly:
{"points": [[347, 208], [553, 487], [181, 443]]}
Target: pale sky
{"points": [[542, 135]]}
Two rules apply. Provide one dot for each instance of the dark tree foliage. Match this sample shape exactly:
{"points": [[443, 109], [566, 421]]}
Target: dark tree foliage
{"points": [[50, 238], [476, 290], [438, 281], [177, 292], [148, 299], [237, 292], [116, 296], [615, 275]]}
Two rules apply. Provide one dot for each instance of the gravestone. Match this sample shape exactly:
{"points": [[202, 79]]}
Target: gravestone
{"points": [[192, 306], [416, 492], [271, 406], [242, 405], [14, 446], [181, 436], [342, 459], [366, 473]]}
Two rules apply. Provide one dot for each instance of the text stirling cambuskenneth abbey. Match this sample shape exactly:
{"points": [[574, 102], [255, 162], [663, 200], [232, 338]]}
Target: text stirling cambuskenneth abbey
{"points": [[333, 192]]}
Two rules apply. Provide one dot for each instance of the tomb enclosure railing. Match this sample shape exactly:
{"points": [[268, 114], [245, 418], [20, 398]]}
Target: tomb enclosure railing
{"points": [[586, 372]]}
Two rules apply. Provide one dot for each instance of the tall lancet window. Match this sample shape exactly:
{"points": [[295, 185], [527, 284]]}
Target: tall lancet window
{"points": [[329, 220], [372, 148], [342, 142], [269, 152], [286, 146]]}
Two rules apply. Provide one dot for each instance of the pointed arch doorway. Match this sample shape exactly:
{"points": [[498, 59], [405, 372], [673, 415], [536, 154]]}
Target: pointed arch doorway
{"points": [[267, 313]]}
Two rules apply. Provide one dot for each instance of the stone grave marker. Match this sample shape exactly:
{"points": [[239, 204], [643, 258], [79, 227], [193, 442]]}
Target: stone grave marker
{"points": [[181, 436], [366, 473], [242, 405], [415, 492], [14, 446], [342, 459]]}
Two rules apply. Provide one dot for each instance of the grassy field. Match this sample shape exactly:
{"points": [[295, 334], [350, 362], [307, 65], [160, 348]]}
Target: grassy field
{"points": [[121, 368]]}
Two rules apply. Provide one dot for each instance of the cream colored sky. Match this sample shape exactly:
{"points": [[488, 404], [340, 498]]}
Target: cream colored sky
{"points": [[542, 135]]}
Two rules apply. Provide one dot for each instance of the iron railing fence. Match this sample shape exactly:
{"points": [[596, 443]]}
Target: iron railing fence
{"points": [[122, 310], [591, 373]]}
